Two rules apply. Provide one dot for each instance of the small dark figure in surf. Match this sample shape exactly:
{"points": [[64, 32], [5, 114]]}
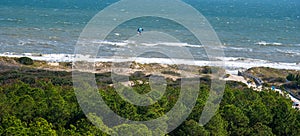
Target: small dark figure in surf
{"points": [[140, 30]]}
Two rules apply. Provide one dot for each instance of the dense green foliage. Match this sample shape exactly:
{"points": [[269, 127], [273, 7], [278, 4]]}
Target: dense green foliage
{"points": [[294, 77], [25, 61], [293, 85], [44, 103]]}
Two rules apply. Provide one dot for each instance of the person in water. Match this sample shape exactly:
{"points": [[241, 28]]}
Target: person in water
{"points": [[140, 30]]}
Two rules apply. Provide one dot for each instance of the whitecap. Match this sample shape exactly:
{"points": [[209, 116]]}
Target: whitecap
{"points": [[289, 52], [130, 43], [264, 43], [240, 49], [109, 43], [178, 44]]}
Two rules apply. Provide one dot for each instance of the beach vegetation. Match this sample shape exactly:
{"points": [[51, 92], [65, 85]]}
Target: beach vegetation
{"points": [[206, 70], [25, 61], [293, 77], [172, 73]]}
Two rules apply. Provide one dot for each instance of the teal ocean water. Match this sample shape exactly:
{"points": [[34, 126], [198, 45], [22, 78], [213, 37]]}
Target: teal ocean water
{"points": [[252, 30]]}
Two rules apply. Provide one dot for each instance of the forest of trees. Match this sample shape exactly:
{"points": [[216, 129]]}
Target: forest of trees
{"points": [[44, 103]]}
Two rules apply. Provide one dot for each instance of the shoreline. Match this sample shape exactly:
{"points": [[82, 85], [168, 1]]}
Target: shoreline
{"points": [[146, 65], [230, 64]]}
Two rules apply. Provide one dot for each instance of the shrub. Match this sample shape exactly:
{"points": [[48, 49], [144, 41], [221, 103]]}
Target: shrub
{"points": [[206, 70], [172, 73], [227, 75], [25, 61]]}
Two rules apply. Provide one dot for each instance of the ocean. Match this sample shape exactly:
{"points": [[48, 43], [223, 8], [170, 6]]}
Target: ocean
{"points": [[253, 33]]}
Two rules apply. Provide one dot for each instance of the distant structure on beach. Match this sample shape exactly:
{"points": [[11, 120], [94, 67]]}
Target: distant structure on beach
{"points": [[257, 80]]}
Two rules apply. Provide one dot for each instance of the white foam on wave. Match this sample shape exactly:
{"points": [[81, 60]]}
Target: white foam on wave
{"points": [[42, 57], [179, 44], [130, 43], [10, 19], [264, 43], [110, 43], [241, 49], [289, 52], [33, 42], [235, 64]]}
